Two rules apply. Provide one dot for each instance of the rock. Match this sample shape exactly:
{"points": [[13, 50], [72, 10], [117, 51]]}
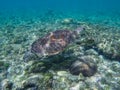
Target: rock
{"points": [[71, 21], [88, 43], [15, 70], [67, 21], [66, 82], [86, 68], [76, 87], [62, 73], [7, 85], [37, 82], [91, 52]]}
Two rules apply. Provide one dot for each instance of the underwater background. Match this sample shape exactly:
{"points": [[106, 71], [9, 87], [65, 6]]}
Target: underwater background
{"points": [[89, 62]]}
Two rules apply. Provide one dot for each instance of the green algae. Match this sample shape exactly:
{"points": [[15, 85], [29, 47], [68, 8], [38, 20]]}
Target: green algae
{"points": [[4, 65], [39, 67]]}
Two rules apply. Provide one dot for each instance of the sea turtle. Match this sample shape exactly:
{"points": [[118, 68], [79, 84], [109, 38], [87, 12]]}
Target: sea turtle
{"points": [[54, 42]]}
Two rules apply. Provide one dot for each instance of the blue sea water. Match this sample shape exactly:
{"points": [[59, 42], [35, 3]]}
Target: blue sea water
{"points": [[61, 5], [24, 21], [33, 8], [23, 8]]}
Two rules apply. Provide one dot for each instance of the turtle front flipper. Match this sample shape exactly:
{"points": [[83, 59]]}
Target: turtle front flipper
{"points": [[29, 56]]}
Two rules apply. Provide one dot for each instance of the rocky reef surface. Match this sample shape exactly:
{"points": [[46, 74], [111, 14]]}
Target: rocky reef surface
{"points": [[92, 62]]}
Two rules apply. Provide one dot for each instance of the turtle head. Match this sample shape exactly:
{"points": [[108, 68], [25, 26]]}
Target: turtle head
{"points": [[79, 29]]}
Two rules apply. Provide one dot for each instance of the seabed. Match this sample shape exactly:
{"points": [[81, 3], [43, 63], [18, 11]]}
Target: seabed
{"points": [[99, 43]]}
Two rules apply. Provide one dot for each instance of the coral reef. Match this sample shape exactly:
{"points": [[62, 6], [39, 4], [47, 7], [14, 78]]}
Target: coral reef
{"points": [[86, 68]]}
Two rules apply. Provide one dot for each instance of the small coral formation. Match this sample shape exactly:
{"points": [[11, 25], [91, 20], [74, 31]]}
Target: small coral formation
{"points": [[108, 43], [71, 21], [109, 50], [87, 43], [87, 68], [67, 21]]}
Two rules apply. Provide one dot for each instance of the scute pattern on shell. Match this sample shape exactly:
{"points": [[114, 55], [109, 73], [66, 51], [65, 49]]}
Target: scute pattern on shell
{"points": [[53, 43]]}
